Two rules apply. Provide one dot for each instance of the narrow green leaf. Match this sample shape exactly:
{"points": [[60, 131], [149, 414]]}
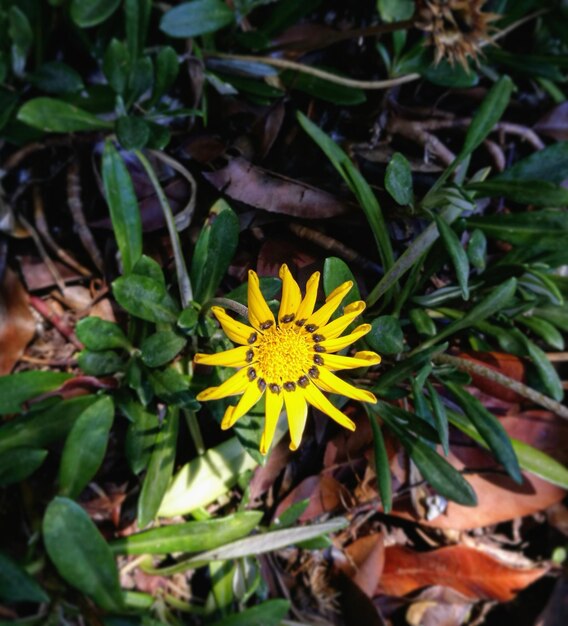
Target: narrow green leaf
{"points": [[457, 254], [160, 469], [323, 89], [477, 250], [87, 13], [98, 334], [538, 192], [422, 322], [80, 553], [382, 465], [19, 463], [167, 68], [85, 447], [199, 17], [543, 329], [161, 347], [116, 65], [145, 298], [398, 179], [192, 536], [56, 116], [547, 372], [137, 17], [550, 164], [123, 206], [440, 417], [490, 428], [16, 585], [268, 613], [141, 433], [15, 389]]}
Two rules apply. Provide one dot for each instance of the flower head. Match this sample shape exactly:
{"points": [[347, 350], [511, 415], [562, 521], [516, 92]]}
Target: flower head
{"points": [[290, 359]]}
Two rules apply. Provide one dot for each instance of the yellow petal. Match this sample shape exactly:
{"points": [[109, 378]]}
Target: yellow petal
{"points": [[306, 307], [335, 328], [273, 407], [322, 315], [235, 331], [360, 359], [259, 314], [297, 411], [316, 398], [231, 387], [249, 398], [291, 297], [333, 345], [237, 357], [333, 384]]}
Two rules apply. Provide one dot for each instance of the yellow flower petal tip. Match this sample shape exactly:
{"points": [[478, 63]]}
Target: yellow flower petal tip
{"points": [[285, 358]]}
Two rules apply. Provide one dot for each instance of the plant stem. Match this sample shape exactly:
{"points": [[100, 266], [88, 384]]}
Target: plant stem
{"points": [[227, 303]]}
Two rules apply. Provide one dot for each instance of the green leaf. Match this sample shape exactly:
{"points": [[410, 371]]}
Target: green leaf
{"points": [[457, 254], [15, 389], [132, 132], [173, 388], [336, 272], [41, 428], [490, 429], [145, 298], [398, 179], [141, 433], [422, 322], [87, 13], [55, 77], [8, 102], [386, 336], [161, 347], [214, 251], [146, 266], [85, 447], [291, 515], [477, 250], [440, 417], [545, 330], [382, 465], [323, 89], [137, 17], [358, 185], [206, 478], [100, 363], [56, 116], [16, 585], [550, 165], [395, 10], [80, 553], [538, 192], [268, 613], [116, 66], [547, 372], [445, 75], [160, 469], [18, 464], [192, 536], [191, 19], [167, 69], [140, 80], [98, 334]]}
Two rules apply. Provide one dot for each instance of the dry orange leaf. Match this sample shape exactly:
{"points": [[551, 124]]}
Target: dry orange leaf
{"points": [[507, 364], [366, 559], [471, 572]]}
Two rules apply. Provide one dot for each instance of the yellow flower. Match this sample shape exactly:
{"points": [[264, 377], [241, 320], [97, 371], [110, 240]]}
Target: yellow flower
{"points": [[291, 359]]}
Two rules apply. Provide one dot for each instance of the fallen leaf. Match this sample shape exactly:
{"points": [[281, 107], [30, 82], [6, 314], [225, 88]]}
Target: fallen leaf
{"points": [[265, 475], [554, 123], [260, 188], [17, 323], [366, 557], [439, 606], [469, 571], [507, 364], [324, 492], [355, 607]]}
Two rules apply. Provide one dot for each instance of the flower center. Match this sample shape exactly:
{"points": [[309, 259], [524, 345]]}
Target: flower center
{"points": [[283, 354]]}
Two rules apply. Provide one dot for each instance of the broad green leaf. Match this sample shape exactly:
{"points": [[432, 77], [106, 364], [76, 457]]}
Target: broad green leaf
{"points": [[382, 465], [19, 463], [55, 77], [395, 10], [490, 429], [538, 192], [123, 206], [100, 363], [160, 469], [214, 251], [386, 336], [336, 272], [56, 116], [80, 553], [457, 254], [173, 387], [85, 447], [422, 322], [16, 585], [161, 347], [358, 185], [398, 179], [40, 428], [268, 613], [192, 536], [206, 478], [145, 298], [447, 76], [199, 17], [550, 165], [140, 79], [141, 433], [87, 13], [132, 132], [116, 65], [15, 389], [98, 334], [146, 266], [167, 68]]}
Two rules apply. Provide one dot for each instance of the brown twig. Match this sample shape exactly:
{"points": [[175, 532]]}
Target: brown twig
{"points": [[43, 309], [76, 208], [520, 388], [418, 132]]}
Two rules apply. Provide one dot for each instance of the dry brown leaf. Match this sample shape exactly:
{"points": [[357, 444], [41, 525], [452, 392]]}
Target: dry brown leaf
{"points": [[439, 606], [324, 492], [554, 123], [471, 572], [366, 558], [507, 364]]}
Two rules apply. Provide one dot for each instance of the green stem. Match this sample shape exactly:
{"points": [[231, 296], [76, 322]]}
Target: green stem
{"points": [[194, 431], [227, 303]]}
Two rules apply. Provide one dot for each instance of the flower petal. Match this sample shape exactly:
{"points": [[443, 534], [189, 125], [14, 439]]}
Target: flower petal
{"points": [[316, 398], [306, 307], [333, 384], [231, 387], [259, 313], [235, 331], [237, 357], [322, 315], [335, 328], [297, 411], [273, 408], [333, 345], [291, 297], [360, 359], [249, 398]]}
